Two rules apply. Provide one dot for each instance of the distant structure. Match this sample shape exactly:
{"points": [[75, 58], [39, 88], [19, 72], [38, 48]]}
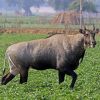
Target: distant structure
{"points": [[68, 17]]}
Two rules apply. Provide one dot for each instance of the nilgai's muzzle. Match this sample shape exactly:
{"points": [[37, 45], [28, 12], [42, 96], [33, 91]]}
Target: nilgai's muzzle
{"points": [[93, 44]]}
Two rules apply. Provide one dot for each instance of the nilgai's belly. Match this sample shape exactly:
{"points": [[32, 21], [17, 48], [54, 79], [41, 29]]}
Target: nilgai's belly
{"points": [[44, 62]]}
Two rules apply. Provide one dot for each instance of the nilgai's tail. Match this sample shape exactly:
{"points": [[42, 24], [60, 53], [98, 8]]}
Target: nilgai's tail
{"points": [[9, 61], [4, 65]]}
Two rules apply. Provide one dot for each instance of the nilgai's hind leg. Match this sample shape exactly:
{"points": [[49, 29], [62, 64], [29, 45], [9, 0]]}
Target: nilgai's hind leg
{"points": [[61, 76], [23, 76], [13, 72], [6, 78], [74, 77]]}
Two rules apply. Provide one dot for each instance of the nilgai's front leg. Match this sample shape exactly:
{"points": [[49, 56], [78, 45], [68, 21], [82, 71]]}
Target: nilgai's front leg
{"points": [[6, 78], [23, 76], [74, 77], [61, 76]]}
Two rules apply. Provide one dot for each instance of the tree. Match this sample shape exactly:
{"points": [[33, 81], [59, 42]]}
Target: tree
{"points": [[59, 4], [25, 4], [87, 6]]}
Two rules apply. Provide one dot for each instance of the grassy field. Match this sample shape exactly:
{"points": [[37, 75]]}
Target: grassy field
{"points": [[43, 85], [28, 22], [40, 22]]}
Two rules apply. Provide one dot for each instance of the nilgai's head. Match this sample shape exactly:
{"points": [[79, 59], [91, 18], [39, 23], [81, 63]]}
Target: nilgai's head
{"points": [[89, 36]]}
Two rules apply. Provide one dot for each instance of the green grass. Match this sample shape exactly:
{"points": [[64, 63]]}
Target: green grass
{"points": [[43, 85]]}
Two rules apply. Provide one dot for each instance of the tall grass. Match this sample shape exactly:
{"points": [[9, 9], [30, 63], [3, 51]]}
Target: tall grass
{"points": [[43, 85]]}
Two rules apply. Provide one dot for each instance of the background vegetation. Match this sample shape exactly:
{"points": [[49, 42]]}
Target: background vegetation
{"points": [[88, 6], [43, 85]]}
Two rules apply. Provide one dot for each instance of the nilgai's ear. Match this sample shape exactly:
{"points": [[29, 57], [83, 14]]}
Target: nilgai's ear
{"points": [[81, 31], [97, 30]]}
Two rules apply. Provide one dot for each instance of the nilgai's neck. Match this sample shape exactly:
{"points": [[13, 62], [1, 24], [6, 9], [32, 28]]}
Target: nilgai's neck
{"points": [[74, 42]]}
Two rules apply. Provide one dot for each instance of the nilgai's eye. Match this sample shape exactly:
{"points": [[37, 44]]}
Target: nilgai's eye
{"points": [[86, 34]]}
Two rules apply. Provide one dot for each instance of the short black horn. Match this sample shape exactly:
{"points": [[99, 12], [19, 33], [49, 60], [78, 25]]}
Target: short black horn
{"points": [[93, 27], [84, 27]]}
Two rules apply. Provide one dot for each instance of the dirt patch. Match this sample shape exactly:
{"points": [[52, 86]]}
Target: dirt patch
{"points": [[37, 31], [30, 30]]}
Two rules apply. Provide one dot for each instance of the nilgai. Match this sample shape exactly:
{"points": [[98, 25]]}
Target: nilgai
{"points": [[61, 52]]}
